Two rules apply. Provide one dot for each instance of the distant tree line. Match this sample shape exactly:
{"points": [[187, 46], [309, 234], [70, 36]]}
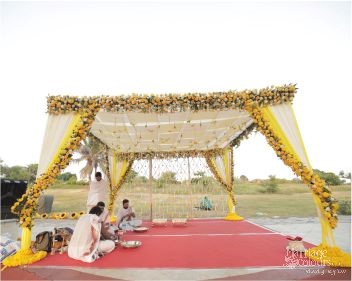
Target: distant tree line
{"points": [[17, 172], [331, 178], [29, 173]]}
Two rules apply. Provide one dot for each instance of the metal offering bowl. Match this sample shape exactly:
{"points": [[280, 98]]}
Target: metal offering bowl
{"points": [[131, 244]]}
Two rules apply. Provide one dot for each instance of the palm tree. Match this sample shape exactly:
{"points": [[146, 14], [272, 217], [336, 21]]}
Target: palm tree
{"points": [[93, 153]]}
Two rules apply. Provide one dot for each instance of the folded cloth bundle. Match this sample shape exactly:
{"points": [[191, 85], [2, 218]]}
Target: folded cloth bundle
{"points": [[8, 247]]}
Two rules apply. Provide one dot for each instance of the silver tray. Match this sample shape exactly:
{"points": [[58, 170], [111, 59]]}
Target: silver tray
{"points": [[141, 229], [131, 244]]}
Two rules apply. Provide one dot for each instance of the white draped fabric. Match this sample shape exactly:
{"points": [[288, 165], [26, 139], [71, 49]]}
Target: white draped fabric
{"points": [[286, 119], [283, 119], [169, 132], [219, 163], [56, 129]]}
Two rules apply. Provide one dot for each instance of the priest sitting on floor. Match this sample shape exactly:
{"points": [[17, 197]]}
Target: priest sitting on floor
{"points": [[125, 217], [85, 244]]}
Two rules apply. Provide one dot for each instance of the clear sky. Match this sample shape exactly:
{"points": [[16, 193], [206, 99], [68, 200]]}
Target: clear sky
{"points": [[92, 48]]}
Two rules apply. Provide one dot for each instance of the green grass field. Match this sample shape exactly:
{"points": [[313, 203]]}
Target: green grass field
{"points": [[180, 200]]}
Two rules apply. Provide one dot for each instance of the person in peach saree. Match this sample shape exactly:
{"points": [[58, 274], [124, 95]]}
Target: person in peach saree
{"points": [[85, 244]]}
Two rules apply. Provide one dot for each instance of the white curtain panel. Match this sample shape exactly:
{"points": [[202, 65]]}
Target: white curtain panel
{"points": [[219, 161], [55, 131], [285, 117]]}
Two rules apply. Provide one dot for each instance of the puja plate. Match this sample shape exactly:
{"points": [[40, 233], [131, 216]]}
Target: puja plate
{"points": [[131, 244], [141, 229]]}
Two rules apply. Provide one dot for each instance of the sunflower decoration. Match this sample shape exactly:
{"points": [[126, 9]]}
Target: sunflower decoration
{"points": [[63, 215], [74, 215], [81, 213], [44, 216]]}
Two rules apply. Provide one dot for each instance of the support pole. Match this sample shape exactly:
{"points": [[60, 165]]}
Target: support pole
{"points": [[232, 215], [189, 171], [151, 187], [26, 238]]}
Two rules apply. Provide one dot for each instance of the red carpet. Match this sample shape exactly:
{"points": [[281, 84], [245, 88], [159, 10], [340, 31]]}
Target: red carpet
{"points": [[200, 244]]}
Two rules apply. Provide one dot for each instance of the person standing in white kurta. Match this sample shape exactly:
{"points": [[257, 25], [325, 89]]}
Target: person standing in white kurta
{"points": [[98, 191]]}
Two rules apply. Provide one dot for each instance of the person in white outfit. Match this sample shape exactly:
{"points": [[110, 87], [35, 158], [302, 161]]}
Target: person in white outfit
{"points": [[126, 217], [107, 230], [98, 191], [85, 243]]}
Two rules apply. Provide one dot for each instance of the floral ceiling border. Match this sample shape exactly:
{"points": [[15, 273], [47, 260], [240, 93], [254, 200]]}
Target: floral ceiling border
{"points": [[173, 102]]}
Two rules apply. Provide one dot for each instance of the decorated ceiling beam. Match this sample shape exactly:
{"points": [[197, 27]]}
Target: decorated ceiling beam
{"points": [[244, 135], [179, 154], [174, 102], [168, 154]]}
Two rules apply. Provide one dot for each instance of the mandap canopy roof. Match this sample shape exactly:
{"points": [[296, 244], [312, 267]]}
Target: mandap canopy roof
{"points": [[173, 124]]}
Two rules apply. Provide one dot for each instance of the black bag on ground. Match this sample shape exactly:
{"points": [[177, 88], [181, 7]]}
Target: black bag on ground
{"points": [[43, 241]]}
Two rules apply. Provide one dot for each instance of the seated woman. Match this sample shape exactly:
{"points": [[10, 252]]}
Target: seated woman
{"points": [[85, 244]]}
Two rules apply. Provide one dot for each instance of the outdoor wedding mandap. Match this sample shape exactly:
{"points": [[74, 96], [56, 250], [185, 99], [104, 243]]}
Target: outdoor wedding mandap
{"points": [[207, 125]]}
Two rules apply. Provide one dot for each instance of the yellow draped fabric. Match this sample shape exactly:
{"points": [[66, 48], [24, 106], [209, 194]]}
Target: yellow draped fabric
{"points": [[25, 255], [222, 168], [327, 252], [119, 169]]}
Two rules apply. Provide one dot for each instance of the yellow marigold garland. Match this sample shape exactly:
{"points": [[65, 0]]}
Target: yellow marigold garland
{"points": [[244, 135], [174, 102], [168, 154]]}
